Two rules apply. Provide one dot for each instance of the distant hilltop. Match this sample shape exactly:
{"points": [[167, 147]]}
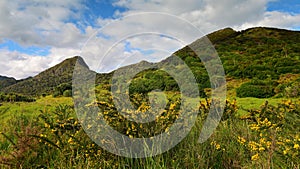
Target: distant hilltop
{"points": [[255, 53]]}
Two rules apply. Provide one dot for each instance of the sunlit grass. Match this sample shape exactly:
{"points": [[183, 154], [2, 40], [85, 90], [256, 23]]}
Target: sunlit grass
{"points": [[229, 146], [31, 109]]}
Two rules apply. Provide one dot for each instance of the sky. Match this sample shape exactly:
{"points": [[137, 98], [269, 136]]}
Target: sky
{"points": [[37, 34]]}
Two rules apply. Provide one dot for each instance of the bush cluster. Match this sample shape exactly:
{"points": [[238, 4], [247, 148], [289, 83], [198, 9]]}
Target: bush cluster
{"points": [[257, 88]]}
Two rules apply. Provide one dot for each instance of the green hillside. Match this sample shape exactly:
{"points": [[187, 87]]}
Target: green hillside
{"points": [[258, 57], [46, 81], [261, 57], [6, 81]]}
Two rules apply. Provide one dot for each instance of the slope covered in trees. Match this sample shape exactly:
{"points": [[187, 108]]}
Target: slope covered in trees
{"points": [[262, 56], [6, 81], [46, 81]]}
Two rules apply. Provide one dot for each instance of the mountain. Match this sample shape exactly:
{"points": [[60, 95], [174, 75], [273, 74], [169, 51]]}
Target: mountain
{"points": [[6, 81], [47, 80], [260, 54]]}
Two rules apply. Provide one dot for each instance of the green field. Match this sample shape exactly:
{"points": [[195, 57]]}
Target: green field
{"points": [[31, 109], [35, 135]]}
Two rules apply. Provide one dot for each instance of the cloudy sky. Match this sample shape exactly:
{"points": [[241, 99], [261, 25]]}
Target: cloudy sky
{"points": [[37, 34]]}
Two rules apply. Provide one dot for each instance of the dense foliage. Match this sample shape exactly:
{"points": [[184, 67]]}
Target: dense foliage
{"points": [[64, 89], [266, 137], [6, 81], [46, 81], [257, 88], [15, 98], [261, 53]]}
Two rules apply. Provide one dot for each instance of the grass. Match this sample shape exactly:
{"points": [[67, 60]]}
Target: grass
{"points": [[255, 103], [221, 150], [30, 110]]}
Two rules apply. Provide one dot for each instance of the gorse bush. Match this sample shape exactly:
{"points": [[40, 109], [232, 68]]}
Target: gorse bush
{"points": [[257, 88], [274, 136]]}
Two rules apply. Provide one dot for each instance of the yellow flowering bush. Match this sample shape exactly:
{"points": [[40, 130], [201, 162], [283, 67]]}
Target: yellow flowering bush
{"points": [[162, 122], [274, 132], [63, 132], [230, 108]]}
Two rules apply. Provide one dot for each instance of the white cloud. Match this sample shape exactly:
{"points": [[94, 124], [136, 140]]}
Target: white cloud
{"points": [[20, 65], [211, 15], [45, 23], [155, 32], [35, 22], [275, 19]]}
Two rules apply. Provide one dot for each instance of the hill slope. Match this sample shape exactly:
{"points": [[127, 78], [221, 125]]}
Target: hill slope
{"points": [[256, 53], [45, 81], [261, 55], [6, 81]]}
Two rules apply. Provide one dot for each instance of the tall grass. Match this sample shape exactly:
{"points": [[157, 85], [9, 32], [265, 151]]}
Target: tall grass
{"points": [[57, 140]]}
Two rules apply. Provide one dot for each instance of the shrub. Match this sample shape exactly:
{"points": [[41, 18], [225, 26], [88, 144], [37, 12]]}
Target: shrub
{"points": [[67, 93], [56, 94], [257, 88], [258, 91]]}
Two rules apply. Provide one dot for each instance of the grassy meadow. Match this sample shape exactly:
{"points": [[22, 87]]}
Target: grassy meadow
{"points": [[251, 134]]}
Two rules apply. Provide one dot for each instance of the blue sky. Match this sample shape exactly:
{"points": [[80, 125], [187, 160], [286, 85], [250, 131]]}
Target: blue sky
{"points": [[290, 6], [35, 35]]}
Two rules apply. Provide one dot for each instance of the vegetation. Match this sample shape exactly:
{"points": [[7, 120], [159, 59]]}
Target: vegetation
{"points": [[255, 53], [266, 137], [46, 81], [15, 98], [257, 88], [63, 89], [259, 127], [6, 81]]}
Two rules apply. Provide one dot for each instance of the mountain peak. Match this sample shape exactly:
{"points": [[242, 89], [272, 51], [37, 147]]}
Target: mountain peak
{"points": [[221, 34], [48, 79]]}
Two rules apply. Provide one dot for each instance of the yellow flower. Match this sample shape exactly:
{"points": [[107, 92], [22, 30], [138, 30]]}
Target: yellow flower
{"points": [[254, 127], [280, 143], [42, 135], [172, 106], [268, 144], [262, 140], [288, 102], [47, 125], [218, 146], [261, 149], [133, 127], [278, 129], [241, 140], [70, 141], [253, 145], [296, 146], [287, 140], [255, 157], [285, 152]]}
